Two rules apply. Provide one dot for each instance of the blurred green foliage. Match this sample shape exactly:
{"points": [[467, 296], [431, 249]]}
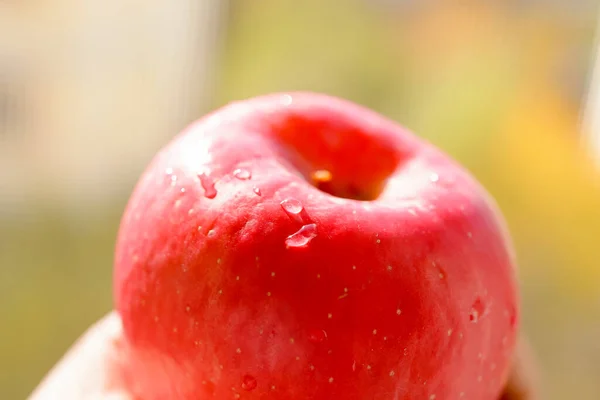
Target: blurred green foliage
{"points": [[497, 87], [55, 281]]}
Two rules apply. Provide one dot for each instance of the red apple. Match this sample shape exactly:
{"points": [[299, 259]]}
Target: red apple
{"points": [[299, 246]]}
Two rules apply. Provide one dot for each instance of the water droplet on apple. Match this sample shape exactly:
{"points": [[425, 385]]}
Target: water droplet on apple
{"points": [[257, 191], [477, 311], [242, 174], [302, 237], [208, 184], [317, 336], [292, 207], [434, 177]]}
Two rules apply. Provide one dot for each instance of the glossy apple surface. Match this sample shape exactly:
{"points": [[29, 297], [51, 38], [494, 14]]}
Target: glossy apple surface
{"points": [[299, 246]]}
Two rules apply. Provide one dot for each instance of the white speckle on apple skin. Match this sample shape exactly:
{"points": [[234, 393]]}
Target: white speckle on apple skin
{"points": [[286, 100]]}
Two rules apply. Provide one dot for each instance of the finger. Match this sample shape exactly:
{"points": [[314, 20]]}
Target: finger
{"points": [[523, 381], [89, 370]]}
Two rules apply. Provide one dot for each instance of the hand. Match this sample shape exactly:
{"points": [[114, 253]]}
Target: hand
{"points": [[94, 369], [523, 379]]}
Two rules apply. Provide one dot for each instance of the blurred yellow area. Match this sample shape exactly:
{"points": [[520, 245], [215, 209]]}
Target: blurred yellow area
{"points": [[498, 85]]}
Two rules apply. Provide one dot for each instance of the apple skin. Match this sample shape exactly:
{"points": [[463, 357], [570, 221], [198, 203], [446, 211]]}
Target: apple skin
{"points": [[400, 284]]}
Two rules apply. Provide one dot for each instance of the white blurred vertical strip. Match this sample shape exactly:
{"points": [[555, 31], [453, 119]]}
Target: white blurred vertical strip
{"points": [[192, 39], [591, 111], [201, 40]]}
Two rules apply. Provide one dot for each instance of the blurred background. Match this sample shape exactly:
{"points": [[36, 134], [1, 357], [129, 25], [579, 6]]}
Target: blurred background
{"points": [[90, 90]]}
